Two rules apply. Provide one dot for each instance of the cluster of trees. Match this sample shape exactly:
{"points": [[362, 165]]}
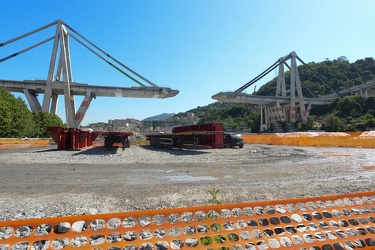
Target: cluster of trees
{"points": [[17, 121], [353, 113]]}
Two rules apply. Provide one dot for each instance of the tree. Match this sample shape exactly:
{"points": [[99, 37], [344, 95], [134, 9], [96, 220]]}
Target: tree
{"points": [[349, 106], [16, 120], [5, 113], [42, 120], [334, 124], [309, 124], [342, 59], [15, 117]]}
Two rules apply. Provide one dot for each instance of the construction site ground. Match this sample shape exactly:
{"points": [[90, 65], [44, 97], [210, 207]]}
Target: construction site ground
{"points": [[43, 182]]}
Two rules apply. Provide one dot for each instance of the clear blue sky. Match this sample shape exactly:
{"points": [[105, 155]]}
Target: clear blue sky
{"points": [[199, 47]]}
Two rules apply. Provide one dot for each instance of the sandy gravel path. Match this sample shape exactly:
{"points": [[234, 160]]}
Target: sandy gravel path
{"points": [[44, 182]]}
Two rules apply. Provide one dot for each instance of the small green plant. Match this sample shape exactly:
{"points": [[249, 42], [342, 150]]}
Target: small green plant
{"points": [[220, 239], [216, 227], [213, 215], [206, 240], [213, 192], [233, 237]]}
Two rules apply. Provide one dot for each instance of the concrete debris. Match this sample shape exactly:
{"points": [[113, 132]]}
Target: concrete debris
{"points": [[274, 243], [160, 233], [250, 246], [61, 228], [146, 246], [177, 244], [225, 213], [40, 245], [114, 223], [131, 247], [79, 226], [191, 242], [129, 222], [187, 217], [145, 234], [114, 237], [162, 245], [97, 239], [269, 209], [144, 220], [258, 210], [5, 232], [173, 218], [229, 225], [190, 230], [60, 243], [203, 228], [175, 231], [78, 241], [200, 215], [97, 225], [23, 231], [241, 224], [130, 236], [158, 219], [237, 212]]}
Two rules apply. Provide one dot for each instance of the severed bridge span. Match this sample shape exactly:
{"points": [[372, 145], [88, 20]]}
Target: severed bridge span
{"points": [[60, 80], [288, 105]]}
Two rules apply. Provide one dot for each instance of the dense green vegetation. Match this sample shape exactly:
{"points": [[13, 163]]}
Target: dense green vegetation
{"points": [[17, 121], [351, 113]]}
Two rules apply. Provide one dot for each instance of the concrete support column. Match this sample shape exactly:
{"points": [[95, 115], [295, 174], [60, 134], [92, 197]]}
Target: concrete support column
{"points": [[32, 100], [78, 118]]}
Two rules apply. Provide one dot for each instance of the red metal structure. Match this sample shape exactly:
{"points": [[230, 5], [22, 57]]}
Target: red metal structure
{"points": [[75, 139], [204, 135]]}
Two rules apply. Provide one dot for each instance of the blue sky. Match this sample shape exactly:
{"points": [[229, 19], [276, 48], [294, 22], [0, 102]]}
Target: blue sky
{"points": [[199, 47]]}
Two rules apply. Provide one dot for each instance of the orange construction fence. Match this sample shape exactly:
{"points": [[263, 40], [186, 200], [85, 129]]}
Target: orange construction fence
{"points": [[345, 221], [347, 139]]}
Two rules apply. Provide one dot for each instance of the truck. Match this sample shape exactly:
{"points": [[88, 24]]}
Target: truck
{"points": [[76, 139], [210, 135]]}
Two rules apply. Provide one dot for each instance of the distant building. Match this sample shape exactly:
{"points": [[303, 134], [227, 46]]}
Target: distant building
{"points": [[133, 125], [128, 124]]}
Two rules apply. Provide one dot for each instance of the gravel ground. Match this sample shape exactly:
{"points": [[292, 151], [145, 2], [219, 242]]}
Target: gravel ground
{"points": [[44, 182]]}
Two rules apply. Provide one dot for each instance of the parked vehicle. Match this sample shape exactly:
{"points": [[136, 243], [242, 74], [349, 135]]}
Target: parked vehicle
{"points": [[208, 135], [233, 140]]}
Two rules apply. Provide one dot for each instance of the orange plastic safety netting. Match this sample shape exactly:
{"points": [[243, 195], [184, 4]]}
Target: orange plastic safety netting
{"points": [[329, 222]]}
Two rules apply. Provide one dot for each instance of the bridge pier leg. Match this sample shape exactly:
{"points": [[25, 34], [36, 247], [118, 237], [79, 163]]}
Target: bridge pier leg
{"points": [[32, 100], [55, 99], [83, 109]]}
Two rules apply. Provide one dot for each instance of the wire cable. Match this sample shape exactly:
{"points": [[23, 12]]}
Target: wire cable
{"points": [[102, 51]]}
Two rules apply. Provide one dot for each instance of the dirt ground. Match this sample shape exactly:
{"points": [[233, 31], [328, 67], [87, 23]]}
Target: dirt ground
{"points": [[44, 182]]}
